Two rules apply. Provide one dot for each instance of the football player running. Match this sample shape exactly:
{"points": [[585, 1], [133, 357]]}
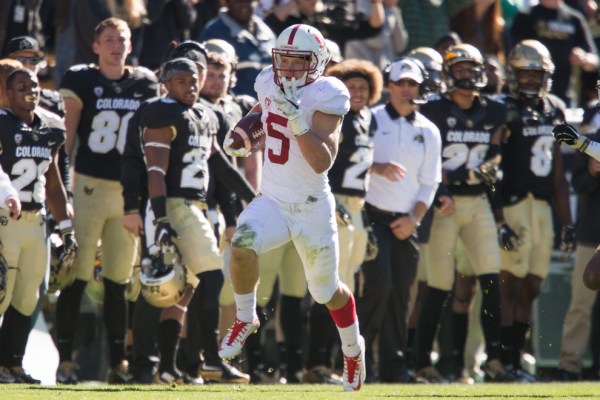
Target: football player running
{"points": [[534, 179], [30, 140], [302, 114], [100, 100], [471, 128]]}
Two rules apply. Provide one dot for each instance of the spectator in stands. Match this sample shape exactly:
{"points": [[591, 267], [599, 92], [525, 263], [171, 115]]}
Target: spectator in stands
{"points": [[386, 46], [337, 23], [481, 24], [566, 34], [18, 18], [168, 20], [428, 20], [249, 35]]}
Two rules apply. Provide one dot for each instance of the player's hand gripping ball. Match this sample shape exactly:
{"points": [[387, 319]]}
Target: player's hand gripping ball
{"points": [[246, 137]]}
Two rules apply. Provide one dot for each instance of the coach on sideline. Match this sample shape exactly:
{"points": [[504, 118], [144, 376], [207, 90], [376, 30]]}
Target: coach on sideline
{"points": [[405, 175]]}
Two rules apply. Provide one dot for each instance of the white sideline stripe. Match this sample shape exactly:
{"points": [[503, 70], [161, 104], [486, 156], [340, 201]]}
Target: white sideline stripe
{"points": [[41, 356]]}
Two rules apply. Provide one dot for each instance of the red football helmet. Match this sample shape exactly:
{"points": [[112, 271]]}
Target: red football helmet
{"points": [[301, 41]]}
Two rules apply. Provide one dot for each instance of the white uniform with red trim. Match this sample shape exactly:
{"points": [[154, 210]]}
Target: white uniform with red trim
{"points": [[287, 176], [296, 203]]}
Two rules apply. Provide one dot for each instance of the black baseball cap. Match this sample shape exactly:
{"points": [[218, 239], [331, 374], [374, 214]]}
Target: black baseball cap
{"points": [[176, 65], [23, 43], [191, 50]]}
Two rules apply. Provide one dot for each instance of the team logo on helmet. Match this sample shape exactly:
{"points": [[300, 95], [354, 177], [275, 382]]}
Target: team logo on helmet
{"points": [[62, 269], [463, 52], [163, 278]]}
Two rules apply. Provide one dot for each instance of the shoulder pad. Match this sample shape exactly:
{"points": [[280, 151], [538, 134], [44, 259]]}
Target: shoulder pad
{"points": [[160, 113], [81, 67], [265, 77], [51, 119], [328, 95], [144, 72]]}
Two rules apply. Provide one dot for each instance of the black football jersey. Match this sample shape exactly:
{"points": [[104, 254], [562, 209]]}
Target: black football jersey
{"points": [[348, 175], [528, 150], [466, 135], [26, 153], [107, 108], [194, 128], [223, 112]]}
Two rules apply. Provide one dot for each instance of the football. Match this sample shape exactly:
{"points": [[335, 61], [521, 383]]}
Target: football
{"points": [[591, 274], [248, 133]]}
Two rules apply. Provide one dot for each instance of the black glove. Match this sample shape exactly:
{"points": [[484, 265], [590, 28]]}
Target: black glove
{"points": [[372, 246], [507, 238], [165, 233], [567, 241], [487, 173], [567, 134], [342, 215], [69, 243]]}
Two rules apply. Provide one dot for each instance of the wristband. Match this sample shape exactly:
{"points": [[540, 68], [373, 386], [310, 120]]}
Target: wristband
{"points": [[65, 224], [414, 219]]}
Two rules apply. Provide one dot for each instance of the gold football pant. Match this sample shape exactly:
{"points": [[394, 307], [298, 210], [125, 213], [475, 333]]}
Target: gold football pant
{"points": [[98, 206], [25, 248]]}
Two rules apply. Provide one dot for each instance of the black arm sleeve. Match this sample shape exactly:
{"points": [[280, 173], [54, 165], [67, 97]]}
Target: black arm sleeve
{"points": [[134, 178], [230, 176], [65, 170]]}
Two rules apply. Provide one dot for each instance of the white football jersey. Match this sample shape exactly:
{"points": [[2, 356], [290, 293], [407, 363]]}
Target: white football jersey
{"points": [[287, 176]]}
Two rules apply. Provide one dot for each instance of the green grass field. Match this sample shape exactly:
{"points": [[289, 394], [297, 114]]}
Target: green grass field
{"points": [[585, 390]]}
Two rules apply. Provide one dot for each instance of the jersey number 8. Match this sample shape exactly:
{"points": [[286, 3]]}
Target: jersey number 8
{"points": [[109, 131]]}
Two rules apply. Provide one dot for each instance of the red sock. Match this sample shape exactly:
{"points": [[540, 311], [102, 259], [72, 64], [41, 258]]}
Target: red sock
{"points": [[345, 316]]}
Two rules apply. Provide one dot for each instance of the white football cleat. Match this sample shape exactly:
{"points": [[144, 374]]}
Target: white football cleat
{"points": [[355, 369], [232, 343]]}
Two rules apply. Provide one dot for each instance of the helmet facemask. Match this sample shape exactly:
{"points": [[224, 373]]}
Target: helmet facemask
{"points": [[304, 42], [529, 55], [281, 69], [461, 54]]}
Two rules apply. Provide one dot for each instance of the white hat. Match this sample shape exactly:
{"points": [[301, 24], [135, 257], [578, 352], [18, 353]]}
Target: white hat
{"points": [[406, 68]]}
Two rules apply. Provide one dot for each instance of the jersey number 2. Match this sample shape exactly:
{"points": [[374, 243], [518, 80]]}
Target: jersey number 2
{"points": [[28, 171]]}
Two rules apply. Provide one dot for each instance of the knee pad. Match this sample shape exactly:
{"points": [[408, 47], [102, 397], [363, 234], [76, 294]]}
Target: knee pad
{"points": [[244, 237], [322, 294]]}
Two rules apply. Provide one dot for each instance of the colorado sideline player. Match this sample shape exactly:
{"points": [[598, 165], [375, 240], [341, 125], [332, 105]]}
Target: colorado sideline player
{"points": [[30, 138], [100, 100]]}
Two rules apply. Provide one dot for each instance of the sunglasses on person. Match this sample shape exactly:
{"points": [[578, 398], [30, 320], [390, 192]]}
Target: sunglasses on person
{"points": [[403, 82], [34, 60]]}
